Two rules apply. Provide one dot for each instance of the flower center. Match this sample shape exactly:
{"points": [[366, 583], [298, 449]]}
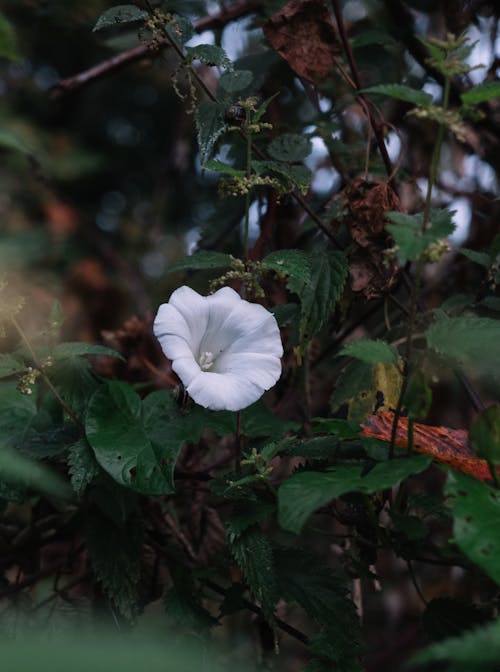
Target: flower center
{"points": [[206, 361]]}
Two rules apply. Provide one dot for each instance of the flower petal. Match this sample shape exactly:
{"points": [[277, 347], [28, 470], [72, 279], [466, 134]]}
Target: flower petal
{"points": [[194, 309], [262, 370], [218, 391], [186, 368], [221, 304], [258, 336]]}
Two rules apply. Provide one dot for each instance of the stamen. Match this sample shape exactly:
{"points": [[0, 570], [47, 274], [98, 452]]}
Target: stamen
{"points": [[206, 361]]}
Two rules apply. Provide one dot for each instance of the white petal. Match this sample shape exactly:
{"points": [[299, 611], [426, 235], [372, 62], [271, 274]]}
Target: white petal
{"points": [[220, 392], [262, 337], [194, 309], [186, 368], [169, 321], [263, 370], [221, 305]]}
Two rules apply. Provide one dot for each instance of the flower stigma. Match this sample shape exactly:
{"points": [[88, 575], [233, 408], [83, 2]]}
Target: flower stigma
{"points": [[206, 361]]}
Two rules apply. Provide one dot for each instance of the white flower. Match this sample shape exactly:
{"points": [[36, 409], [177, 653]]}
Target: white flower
{"points": [[225, 350]]}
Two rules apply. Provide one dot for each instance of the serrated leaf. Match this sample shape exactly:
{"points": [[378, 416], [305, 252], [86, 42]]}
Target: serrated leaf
{"points": [[75, 381], [10, 365], [83, 467], [306, 491], [210, 125], [471, 651], [328, 277], [210, 54], [481, 93], [401, 92], [324, 597], [224, 168], [481, 258], [319, 448], [235, 80], [246, 514], [289, 175], [180, 29], [473, 340], [253, 552], [290, 147], [370, 351], [8, 42], [409, 236], [115, 554], [344, 429], [294, 265], [371, 36], [202, 260], [65, 350], [119, 15], [183, 602], [476, 512]]}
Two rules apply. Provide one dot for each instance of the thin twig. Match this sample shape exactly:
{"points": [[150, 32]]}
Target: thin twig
{"points": [[125, 58]]}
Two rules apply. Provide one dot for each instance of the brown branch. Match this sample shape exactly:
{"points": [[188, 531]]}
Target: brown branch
{"points": [[142, 51]]}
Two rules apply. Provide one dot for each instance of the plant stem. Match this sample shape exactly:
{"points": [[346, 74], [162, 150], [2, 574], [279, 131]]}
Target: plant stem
{"points": [[238, 441], [415, 289], [248, 136], [70, 412]]}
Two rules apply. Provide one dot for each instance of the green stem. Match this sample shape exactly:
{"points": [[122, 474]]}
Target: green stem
{"points": [[70, 412], [247, 196], [420, 266]]}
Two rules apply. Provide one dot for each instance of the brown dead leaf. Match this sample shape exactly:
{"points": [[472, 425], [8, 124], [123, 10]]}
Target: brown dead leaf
{"points": [[450, 446], [367, 202], [303, 33]]}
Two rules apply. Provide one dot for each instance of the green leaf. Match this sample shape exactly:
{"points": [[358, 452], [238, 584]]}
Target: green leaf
{"points": [[247, 514], [289, 175], [253, 552], [8, 42], [409, 237], [10, 365], [331, 643], [474, 340], [290, 147], [344, 429], [306, 491], [119, 15], [210, 54], [65, 350], [481, 93], [292, 264], [75, 381], [476, 512], [235, 80], [372, 36], [183, 602], [328, 277], [11, 140], [485, 434], [17, 470], [471, 651], [83, 467], [319, 448], [481, 258], [258, 421], [401, 92], [210, 125], [370, 351], [115, 554], [224, 168], [202, 260], [324, 597]]}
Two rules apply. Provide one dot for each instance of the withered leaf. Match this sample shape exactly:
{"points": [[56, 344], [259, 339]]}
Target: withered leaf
{"points": [[303, 33], [450, 446]]}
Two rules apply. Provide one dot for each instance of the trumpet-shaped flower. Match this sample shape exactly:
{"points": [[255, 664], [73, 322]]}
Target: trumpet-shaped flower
{"points": [[225, 350]]}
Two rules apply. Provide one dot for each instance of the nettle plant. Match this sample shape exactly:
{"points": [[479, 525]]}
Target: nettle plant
{"points": [[221, 502]]}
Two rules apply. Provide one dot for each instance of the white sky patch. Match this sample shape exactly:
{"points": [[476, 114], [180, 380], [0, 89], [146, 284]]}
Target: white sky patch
{"points": [[393, 144], [254, 215], [191, 239], [207, 37], [434, 90], [461, 219], [236, 36], [481, 53]]}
